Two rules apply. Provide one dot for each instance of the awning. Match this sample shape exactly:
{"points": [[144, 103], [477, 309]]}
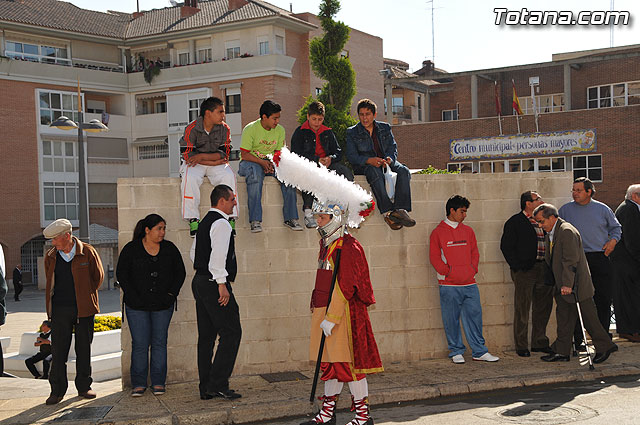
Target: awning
{"points": [[150, 140]]}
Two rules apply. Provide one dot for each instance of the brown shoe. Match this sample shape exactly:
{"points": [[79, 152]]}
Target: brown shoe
{"points": [[631, 337], [88, 394], [392, 224], [53, 399], [402, 217]]}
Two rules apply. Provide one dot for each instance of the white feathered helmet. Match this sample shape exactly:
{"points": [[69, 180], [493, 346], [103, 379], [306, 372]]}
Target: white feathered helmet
{"points": [[328, 187]]}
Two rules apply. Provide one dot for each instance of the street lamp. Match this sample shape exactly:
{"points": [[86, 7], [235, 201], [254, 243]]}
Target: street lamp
{"points": [[93, 126]]}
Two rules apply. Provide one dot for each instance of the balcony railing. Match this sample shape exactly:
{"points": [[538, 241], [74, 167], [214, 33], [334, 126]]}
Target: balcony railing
{"points": [[401, 112]]}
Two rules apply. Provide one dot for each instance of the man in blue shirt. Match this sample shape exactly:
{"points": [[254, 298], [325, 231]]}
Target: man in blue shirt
{"points": [[600, 231]]}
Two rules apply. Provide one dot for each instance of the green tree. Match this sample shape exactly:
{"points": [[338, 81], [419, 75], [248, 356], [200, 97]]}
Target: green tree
{"points": [[328, 64]]}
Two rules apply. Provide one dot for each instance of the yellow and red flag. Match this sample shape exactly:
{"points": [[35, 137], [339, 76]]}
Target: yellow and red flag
{"points": [[516, 102]]}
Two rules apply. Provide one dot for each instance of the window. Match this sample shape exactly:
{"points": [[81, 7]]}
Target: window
{"points": [[319, 90], [232, 49], [194, 108], [60, 200], [160, 150], [204, 55], [55, 104], [462, 167], [37, 53], [398, 105], [96, 106], [523, 165], [279, 44], [619, 94], [160, 106], [492, 167], [589, 166], [183, 58], [419, 108], [58, 157], [232, 103], [544, 103], [263, 48], [449, 115]]}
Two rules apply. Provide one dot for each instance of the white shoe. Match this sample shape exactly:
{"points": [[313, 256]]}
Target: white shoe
{"points": [[256, 226], [487, 357], [310, 222], [458, 359]]}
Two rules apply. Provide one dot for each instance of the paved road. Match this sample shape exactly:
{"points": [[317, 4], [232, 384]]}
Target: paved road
{"points": [[28, 314], [610, 401]]}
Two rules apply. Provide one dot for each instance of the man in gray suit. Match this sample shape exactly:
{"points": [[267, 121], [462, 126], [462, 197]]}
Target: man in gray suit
{"points": [[570, 273]]}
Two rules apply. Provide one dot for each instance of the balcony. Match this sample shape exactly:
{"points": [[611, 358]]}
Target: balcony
{"points": [[59, 74], [150, 125], [401, 112], [255, 66], [119, 125]]}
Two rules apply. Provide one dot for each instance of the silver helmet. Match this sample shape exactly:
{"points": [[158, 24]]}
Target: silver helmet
{"points": [[330, 231]]}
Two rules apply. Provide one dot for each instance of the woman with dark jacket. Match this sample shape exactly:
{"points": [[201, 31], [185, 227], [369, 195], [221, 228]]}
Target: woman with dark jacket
{"points": [[150, 272]]}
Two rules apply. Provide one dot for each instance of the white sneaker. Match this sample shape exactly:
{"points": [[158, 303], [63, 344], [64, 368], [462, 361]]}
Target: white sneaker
{"points": [[457, 359], [256, 227], [487, 357], [310, 222]]}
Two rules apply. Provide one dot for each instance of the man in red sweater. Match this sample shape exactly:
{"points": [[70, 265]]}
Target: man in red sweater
{"points": [[453, 252]]}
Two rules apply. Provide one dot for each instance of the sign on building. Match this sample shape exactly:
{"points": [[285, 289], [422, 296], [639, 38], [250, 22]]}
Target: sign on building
{"points": [[531, 144]]}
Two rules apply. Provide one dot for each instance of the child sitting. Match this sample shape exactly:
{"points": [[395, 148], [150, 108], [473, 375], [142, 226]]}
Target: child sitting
{"points": [[45, 352]]}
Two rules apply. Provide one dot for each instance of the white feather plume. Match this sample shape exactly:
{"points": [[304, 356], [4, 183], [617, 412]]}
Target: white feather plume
{"points": [[326, 185]]}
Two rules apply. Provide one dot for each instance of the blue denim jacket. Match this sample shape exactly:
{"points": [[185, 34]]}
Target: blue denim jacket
{"points": [[360, 145]]}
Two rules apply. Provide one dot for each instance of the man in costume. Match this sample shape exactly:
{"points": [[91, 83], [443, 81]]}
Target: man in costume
{"points": [[339, 315], [350, 350]]}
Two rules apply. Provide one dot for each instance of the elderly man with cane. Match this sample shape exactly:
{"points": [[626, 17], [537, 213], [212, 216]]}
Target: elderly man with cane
{"points": [[570, 275]]}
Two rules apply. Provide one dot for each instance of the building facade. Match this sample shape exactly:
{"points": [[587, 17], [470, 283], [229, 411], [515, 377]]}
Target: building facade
{"points": [[144, 75], [581, 114]]}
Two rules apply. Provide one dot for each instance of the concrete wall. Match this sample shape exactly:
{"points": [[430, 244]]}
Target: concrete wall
{"points": [[277, 269]]}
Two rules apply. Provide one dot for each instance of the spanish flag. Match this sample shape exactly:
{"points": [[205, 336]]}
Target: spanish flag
{"points": [[516, 102]]}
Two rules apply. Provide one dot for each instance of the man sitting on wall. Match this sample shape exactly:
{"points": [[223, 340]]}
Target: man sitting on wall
{"points": [[260, 138], [205, 150], [317, 143], [370, 149]]}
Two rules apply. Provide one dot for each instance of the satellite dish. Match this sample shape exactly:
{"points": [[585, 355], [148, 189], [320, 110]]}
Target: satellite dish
{"points": [[174, 3]]}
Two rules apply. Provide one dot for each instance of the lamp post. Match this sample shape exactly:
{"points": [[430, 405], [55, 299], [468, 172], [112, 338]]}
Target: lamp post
{"points": [[93, 126]]}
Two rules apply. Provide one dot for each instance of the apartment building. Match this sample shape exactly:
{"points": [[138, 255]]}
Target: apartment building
{"points": [[586, 105], [144, 75]]}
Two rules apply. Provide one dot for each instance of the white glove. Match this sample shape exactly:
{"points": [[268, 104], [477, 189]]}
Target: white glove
{"points": [[326, 327]]}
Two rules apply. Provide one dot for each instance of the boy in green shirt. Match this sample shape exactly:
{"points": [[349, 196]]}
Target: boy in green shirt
{"points": [[261, 138]]}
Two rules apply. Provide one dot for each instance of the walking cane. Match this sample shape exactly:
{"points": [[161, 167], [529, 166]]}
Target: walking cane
{"points": [[316, 374], [584, 333]]}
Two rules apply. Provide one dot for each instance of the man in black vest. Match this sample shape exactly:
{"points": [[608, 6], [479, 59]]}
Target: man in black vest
{"points": [[214, 260], [523, 247]]}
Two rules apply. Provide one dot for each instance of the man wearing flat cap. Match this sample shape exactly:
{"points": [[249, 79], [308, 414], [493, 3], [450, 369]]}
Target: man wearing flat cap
{"points": [[74, 273]]}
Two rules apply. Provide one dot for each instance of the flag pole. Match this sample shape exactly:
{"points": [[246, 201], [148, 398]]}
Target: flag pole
{"points": [[498, 107], [535, 107]]}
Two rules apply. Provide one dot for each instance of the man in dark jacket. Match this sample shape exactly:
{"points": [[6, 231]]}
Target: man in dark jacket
{"points": [[626, 265], [317, 143], [17, 282], [370, 149], [74, 274], [522, 245], [3, 308], [572, 281]]}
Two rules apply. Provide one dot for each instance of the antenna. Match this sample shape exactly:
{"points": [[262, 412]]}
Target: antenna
{"points": [[433, 42], [138, 5], [611, 26]]}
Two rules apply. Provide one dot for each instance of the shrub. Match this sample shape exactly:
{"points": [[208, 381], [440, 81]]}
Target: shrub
{"points": [[432, 170], [106, 323]]}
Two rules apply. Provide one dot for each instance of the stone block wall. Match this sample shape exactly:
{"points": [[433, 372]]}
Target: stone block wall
{"points": [[277, 270]]}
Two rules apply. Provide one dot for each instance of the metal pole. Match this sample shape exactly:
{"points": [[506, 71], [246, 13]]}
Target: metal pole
{"points": [[83, 204]]}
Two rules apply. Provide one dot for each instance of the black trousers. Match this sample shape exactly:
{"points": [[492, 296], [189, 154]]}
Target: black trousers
{"points": [[215, 320], [626, 297], [602, 277], [63, 320], [17, 289], [31, 364]]}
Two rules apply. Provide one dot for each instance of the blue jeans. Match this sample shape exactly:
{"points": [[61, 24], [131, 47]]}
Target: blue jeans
{"points": [[457, 302], [148, 328], [375, 178], [254, 176]]}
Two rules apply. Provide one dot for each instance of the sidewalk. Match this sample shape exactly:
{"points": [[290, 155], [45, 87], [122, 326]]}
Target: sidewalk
{"points": [[22, 400]]}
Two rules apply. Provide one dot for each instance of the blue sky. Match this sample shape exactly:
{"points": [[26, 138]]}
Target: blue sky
{"points": [[466, 37]]}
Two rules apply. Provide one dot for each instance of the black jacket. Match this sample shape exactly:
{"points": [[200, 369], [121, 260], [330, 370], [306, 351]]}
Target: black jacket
{"points": [[150, 283], [303, 142], [17, 276], [519, 243], [628, 249]]}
